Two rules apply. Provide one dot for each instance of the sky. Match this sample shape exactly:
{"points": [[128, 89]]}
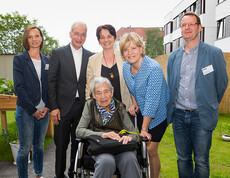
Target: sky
{"points": [[57, 16]]}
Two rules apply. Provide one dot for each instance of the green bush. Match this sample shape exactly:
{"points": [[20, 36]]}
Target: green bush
{"points": [[7, 88]]}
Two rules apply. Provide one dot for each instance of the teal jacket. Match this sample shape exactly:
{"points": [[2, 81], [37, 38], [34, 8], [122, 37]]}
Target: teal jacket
{"points": [[209, 86]]}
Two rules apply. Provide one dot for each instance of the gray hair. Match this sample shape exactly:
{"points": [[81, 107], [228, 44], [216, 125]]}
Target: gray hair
{"points": [[98, 81], [77, 23]]}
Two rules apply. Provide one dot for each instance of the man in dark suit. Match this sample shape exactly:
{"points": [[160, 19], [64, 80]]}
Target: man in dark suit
{"points": [[197, 79], [66, 92]]}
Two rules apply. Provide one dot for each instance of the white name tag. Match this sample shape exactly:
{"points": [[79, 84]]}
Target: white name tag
{"points": [[47, 67], [207, 70]]}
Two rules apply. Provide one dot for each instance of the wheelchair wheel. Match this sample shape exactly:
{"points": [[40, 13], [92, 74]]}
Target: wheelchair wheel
{"points": [[78, 171]]}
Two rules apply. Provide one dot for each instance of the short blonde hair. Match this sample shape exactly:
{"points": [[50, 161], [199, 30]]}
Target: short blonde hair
{"points": [[127, 38]]}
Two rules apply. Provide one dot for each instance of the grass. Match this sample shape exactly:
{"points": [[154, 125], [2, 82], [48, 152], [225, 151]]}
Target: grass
{"points": [[5, 139], [219, 153]]}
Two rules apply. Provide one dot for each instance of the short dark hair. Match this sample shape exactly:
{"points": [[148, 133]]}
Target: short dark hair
{"points": [[108, 27], [26, 34], [192, 14]]}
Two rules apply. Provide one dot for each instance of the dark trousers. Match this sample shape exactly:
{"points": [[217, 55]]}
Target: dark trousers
{"points": [[62, 134]]}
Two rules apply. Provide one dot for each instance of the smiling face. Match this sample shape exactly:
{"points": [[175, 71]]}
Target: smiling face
{"points": [[190, 29], [78, 35], [106, 39], [133, 54], [103, 95], [34, 38]]}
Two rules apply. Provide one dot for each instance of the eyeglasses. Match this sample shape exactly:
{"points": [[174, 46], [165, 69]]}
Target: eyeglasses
{"points": [[192, 24]]}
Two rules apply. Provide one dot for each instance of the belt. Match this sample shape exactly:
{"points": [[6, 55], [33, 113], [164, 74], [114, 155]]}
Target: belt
{"points": [[187, 110], [77, 99]]}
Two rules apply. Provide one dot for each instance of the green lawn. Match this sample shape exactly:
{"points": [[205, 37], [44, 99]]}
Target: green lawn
{"points": [[219, 155], [5, 150]]}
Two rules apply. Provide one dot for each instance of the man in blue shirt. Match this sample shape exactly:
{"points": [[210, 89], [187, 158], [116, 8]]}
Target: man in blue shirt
{"points": [[197, 80]]}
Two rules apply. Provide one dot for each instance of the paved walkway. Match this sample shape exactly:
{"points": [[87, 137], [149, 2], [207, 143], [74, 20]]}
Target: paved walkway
{"points": [[9, 170]]}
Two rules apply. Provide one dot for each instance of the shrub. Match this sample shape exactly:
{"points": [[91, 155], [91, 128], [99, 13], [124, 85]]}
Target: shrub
{"points": [[7, 88]]}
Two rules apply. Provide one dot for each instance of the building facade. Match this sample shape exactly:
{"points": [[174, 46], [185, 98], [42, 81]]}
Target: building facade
{"points": [[215, 20]]}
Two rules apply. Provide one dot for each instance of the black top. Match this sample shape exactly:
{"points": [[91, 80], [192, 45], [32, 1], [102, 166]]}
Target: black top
{"points": [[113, 75]]}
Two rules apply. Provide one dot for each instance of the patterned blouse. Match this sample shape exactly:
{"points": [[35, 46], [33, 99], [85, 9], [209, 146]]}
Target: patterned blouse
{"points": [[149, 89]]}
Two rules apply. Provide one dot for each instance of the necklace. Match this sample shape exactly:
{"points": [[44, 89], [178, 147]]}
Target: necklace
{"points": [[111, 73]]}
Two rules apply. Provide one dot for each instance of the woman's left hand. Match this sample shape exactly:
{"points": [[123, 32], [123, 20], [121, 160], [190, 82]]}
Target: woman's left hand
{"points": [[145, 134], [125, 139], [43, 113]]}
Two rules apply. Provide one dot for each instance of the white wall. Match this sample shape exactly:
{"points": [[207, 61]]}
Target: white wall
{"points": [[222, 10], [223, 44]]}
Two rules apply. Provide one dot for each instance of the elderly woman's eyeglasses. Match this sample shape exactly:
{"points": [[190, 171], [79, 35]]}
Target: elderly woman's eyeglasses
{"points": [[192, 24], [99, 93]]}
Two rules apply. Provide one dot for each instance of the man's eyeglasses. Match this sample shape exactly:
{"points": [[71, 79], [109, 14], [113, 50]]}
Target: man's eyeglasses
{"points": [[192, 24]]}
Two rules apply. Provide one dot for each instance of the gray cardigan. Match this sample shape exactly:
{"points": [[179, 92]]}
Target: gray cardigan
{"points": [[83, 129]]}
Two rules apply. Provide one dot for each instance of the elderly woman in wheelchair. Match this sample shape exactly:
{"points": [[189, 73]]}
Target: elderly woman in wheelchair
{"points": [[110, 117]]}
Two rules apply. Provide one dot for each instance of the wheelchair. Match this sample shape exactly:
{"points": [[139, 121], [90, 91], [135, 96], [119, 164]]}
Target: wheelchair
{"points": [[84, 163]]}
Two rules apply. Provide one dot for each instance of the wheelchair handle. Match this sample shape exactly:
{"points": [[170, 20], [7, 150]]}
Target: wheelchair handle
{"points": [[144, 139]]}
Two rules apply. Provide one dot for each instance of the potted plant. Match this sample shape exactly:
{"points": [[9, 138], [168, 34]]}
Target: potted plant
{"points": [[6, 87], [7, 100], [226, 137], [226, 132]]}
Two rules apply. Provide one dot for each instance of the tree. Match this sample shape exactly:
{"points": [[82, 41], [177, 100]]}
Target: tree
{"points": [[154, 43], [12, 26]]}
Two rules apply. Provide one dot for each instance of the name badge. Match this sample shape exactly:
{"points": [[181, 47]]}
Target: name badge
{"points": [[207, 70], [47, 67]]}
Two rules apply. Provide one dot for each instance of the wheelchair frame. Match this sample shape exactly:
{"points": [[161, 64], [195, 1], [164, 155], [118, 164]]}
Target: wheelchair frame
{"points": [[80, 171]]}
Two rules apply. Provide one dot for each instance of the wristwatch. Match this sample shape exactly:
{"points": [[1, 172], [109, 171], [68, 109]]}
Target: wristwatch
{"points": [[145, 129]]}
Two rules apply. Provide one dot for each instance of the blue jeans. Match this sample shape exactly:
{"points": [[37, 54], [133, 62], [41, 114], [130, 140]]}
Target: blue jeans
{"points": [[190, 138], [30, 132]]}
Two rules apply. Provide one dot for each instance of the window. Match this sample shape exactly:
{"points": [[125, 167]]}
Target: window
{"points": [[220, 1], [200, 7], [188, 9], [193, 7], [176, 43], [221, 29], [175, 23], [168, 28], [201, 34], [168, 48]]}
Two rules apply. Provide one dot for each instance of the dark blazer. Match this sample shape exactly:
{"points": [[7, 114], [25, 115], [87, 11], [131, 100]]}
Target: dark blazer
{"points": [[27, 84], [209, 88], [62, 79]]}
